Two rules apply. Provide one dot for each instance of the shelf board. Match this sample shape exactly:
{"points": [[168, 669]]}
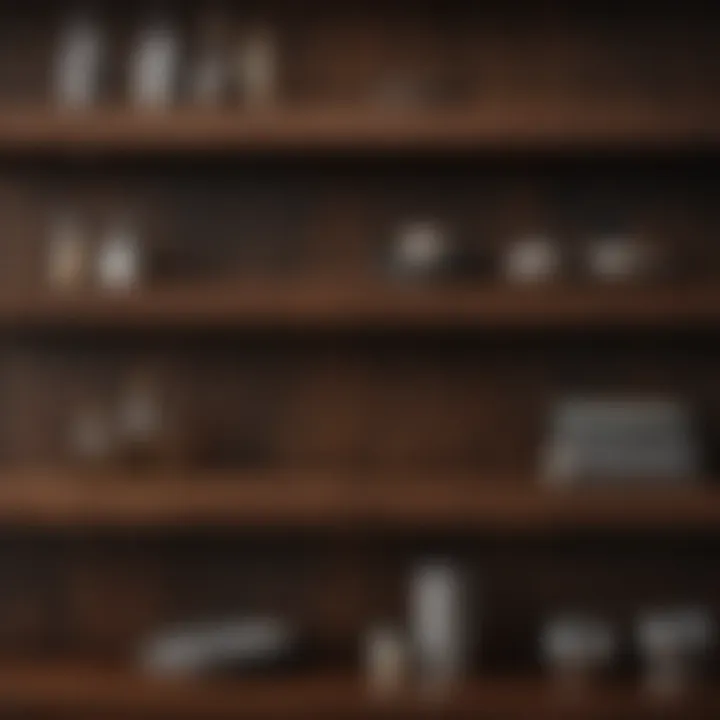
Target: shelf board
{"points": [[391, 305], [361, 129], [99, 692], [326, 500]]}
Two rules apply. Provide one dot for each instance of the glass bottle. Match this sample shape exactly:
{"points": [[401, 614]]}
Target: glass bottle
{"points": [[77, 65], [67, 253], [119, 259], [257, 67], [139, 418], [209, 71], [154, 65]]}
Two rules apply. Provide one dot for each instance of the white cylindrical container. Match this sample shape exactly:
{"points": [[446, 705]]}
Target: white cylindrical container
{"points": [[439, 622]]}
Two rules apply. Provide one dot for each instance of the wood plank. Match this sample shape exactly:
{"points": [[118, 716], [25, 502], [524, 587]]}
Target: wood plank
{"points": [[81, 689], [304, 305], [307, 130], [338, 500]]}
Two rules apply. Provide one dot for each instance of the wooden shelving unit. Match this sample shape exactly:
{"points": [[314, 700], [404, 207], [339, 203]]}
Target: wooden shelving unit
{"points": [[356, 452], [351, 501], [90, 690]]}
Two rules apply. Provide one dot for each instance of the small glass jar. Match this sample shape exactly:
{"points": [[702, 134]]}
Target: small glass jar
{"points": [[385, 657], [67, 261]]}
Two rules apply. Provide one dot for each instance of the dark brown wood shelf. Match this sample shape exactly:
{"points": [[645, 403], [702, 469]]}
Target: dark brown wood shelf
{"points": [[78, 689], [305, 499], [307, 130], [299, 305], [274, 424]]}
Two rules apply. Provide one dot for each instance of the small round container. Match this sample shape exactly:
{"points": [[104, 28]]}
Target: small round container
{"points": [[577, 649], [532, 259], [674, 645]]}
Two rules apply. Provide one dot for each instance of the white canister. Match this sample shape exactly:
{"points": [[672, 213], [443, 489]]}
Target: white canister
{"points": [[439, 622]]}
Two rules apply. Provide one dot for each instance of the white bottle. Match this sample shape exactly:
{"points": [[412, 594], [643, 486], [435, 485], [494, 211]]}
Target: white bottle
{"points": [[257, 67], [154, 66], [119, 259], [78, 63], [67, 253], [438, 614]]}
